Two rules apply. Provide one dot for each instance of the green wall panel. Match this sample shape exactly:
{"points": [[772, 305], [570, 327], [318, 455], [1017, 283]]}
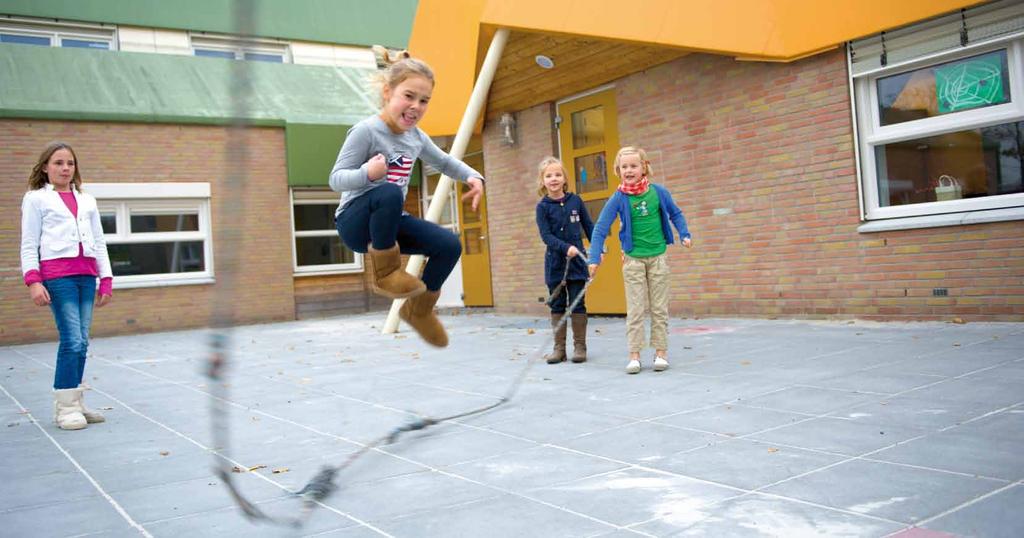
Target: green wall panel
{"points": [[354, 22], [311, 151]]}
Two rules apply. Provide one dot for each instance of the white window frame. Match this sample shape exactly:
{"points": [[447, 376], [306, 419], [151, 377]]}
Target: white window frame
{"points": [[57, 31], [870, 134], [318, 197], [156, 198], [239, 46], [426, 196]]}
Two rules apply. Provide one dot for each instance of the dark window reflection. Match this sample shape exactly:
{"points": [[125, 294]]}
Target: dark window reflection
{"points": [[157, 258]]}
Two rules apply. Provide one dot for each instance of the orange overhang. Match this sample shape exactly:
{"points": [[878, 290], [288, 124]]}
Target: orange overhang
{"points": [[452, 35]]}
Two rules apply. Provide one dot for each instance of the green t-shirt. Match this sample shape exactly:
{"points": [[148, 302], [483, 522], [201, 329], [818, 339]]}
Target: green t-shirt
{"points": [[648, 239]]}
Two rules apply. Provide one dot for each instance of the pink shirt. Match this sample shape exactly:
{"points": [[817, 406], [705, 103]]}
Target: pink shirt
{"points": [[62, 267]]}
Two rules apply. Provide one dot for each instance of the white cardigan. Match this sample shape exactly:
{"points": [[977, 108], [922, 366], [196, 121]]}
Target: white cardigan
{"points": [[49, 230]]}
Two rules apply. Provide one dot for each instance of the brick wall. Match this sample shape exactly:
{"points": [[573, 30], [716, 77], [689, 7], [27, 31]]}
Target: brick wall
{"points": [[112, 153], [760, 158]]}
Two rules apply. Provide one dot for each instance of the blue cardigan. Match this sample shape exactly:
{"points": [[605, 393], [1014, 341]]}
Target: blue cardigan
{"points": [[563, 224], [618, 205]]}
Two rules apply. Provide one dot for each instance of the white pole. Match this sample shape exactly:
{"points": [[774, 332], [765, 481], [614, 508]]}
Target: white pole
{"points": [[458, 150]]}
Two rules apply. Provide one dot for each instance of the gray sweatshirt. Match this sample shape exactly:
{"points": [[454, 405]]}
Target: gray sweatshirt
{"points": [[372, 136]]}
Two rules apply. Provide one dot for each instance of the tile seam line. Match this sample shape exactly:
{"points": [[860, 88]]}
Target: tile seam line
{"points": [[117, 506]]}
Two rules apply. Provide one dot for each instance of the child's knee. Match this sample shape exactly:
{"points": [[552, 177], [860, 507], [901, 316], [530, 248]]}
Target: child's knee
{"points": [[390, 194]]}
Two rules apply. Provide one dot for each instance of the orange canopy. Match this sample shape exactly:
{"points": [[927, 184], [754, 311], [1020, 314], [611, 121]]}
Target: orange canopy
{"points": [[452, 35]]}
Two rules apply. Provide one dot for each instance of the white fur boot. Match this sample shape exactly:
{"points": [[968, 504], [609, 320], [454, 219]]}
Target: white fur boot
{"points": [[67, 409], [91, 416]]}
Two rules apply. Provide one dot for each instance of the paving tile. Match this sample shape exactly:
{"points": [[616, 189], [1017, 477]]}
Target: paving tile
{"points": [[893, 492], [961, 452], [996, 516], [532, 468], [644, 443], [632, 495], [841, 436], [745, 464], [759, 515], [732, 420], [501, 517], [810, 400]]}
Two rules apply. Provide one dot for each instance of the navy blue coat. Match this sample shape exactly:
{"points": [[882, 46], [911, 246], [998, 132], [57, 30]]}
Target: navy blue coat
{"points": [[563, 223]]}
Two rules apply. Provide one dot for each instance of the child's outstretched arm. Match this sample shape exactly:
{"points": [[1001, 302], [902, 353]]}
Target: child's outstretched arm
{"points": [[586, 223], [679, 221], [600, 232], [353, 166]]}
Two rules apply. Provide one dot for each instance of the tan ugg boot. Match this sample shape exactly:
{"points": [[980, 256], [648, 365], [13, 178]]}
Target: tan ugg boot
{"points": [[557, 354], [579, 337], [66, 409], [91, 416], [418, 312], [389, 279]]}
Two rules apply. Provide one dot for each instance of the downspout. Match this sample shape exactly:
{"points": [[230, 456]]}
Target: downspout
{"points": [[465, 132]]}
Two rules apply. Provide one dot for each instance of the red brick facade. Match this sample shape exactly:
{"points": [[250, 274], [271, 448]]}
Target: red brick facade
{"points": [[761, 159], [114, 153]]}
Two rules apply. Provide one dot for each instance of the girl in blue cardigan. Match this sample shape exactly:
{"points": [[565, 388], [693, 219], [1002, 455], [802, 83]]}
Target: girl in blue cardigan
{"points": [[563, 221], [645, 210]]}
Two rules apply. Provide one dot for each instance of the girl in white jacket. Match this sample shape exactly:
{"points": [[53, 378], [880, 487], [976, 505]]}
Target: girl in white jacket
{"points": [[62, 254]]}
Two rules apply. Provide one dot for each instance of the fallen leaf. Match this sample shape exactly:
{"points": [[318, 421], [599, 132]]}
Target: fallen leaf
{"points": [[164, 452], [280, 470], [745, 363], [959, 321], [256, 467], [106, 408], [956, 344], [236, 469], [530, 331], [773, 449]]}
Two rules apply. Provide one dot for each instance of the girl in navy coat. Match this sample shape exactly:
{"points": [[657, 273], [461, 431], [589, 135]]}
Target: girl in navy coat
{"points": [[563, 220]]}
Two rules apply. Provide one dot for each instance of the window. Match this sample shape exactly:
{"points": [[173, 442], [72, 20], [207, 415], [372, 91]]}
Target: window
{"points": [[233, 48], [157, 234], [56, 34], [317, 247], [941, 132]]}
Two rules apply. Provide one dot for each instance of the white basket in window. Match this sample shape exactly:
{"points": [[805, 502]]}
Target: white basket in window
{"points": [[949, 188]]}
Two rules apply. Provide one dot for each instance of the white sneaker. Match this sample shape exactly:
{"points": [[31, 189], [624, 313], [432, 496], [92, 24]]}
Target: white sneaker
{"points": [[660, 364], [633, 367]]}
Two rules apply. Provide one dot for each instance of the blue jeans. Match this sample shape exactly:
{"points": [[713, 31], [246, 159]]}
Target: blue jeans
{"points": [[376, 218], [71, 300]]}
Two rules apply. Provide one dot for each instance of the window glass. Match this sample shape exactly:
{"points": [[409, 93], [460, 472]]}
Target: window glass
{"points": [[591, 172], [588, 127], [84, 44], [25, 39], [109, 222], [314, 216], [263, 57], [181, 222], [972, 163], [210, 53], [156, 258], [325, 250], [966, 84]]}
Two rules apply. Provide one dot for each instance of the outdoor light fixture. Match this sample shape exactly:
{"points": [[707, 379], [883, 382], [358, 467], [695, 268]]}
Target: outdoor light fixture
{"points": [[508, 129], [544, 61]]}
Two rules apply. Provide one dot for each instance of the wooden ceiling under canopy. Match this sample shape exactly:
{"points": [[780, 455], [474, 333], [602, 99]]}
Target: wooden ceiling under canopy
{"points": [[580, 64]]}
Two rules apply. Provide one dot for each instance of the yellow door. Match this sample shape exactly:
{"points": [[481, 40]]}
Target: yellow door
{"points": [[589, 137], [476, 258]]}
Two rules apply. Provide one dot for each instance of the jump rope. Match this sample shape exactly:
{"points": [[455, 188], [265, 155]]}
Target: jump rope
{"points": [[323, 484]]}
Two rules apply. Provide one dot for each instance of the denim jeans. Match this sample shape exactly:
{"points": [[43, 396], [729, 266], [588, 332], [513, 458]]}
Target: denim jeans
{"points": [[71, 300], [376, 218]]}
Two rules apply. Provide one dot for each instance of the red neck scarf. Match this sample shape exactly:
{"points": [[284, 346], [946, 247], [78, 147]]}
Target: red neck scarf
{"points": [[639, 187]]}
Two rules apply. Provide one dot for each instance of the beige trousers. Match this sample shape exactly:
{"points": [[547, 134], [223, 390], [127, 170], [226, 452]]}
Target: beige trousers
{"points": [[646, 281]]}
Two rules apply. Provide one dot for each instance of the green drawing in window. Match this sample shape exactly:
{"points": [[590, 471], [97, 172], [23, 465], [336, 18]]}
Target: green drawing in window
{"points": [[973, 83]]}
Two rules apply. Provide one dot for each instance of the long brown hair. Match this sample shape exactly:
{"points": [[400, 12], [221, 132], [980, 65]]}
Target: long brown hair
{"points": [[38, 178]]}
